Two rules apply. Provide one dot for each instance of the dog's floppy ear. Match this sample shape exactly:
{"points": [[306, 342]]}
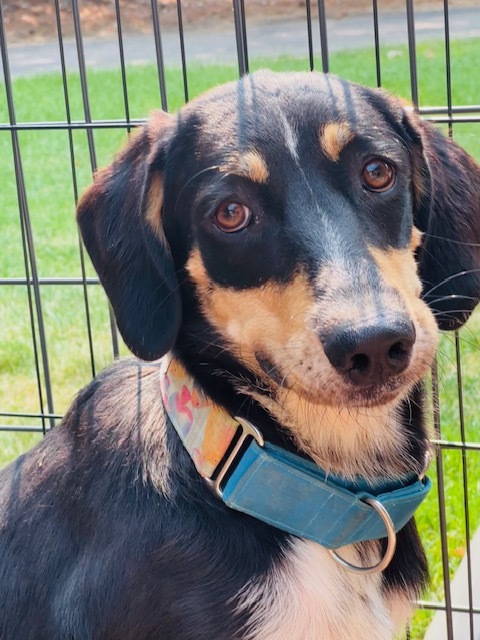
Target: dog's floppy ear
{"points": [[120, 221], [446, 185]]}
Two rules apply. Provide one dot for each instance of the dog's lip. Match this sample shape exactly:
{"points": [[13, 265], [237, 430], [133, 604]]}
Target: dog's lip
{"points": [[346, 394], [338, 391], [379, 395]]}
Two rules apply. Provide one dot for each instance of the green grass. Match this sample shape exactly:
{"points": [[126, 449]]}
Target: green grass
{"points": [[51, 199]]}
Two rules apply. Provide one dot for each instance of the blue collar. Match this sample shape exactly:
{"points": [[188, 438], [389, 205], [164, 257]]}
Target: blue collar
{"points": [[276, 486]]}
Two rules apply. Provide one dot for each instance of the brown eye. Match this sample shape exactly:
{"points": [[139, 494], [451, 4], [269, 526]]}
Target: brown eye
{"points": [[232, 216], [378, 175]]}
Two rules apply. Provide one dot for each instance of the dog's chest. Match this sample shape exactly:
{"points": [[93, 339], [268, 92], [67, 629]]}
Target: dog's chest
{"points": [[309, 597]]}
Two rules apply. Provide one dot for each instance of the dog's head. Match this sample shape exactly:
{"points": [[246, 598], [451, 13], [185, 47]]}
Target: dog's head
{"points": [[314, 229]]}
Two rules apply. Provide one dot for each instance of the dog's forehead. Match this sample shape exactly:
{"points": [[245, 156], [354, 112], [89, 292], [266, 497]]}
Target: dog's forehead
{"points": [[275, 108]]}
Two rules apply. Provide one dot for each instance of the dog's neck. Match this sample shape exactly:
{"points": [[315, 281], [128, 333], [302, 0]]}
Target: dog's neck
{"points": [[234, 459], [366, 441], [387, 440]]}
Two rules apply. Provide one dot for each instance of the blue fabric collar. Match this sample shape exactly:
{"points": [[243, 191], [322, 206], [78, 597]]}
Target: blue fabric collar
{"points": [[276, 486], [296, 496]]}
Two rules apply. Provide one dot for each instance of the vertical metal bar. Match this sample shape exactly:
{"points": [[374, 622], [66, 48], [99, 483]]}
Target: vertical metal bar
{"points": [[448, 70], [441, 504], [240, 36], [448, 605], [412, 52], [27, 235], [448, 77], [310, 35], [83, 81], [244, 30], [32, 326], [322, 22], [159, 53], [465, 483], [91, 143], [182, 49], [122, 64], [74, 182], [377, 43], [31, 314]]}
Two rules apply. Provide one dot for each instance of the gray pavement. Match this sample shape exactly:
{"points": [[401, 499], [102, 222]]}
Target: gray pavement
{"points": [[266, 39], [461, 622]]}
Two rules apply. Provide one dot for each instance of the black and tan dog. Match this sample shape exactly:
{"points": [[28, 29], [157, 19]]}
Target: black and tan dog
{"points": [[274, 236]]}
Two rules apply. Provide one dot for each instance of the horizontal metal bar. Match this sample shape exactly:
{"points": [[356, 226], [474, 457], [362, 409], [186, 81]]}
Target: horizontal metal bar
{"points": [[14, 414], [461, 446], [23, 428], [438, 606], [48, 281], [457, 120], [471, 108], [74, 125], [82, 125]]}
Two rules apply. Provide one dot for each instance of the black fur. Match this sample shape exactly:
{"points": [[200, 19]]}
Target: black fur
{"points": [[106, 530]]}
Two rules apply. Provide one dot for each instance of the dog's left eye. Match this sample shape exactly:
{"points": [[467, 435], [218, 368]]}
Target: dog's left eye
{"points": [[232, 216], [378, 175]]}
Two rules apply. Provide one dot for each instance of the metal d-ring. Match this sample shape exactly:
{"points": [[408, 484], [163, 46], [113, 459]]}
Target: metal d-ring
{"points": [[391, 544]]}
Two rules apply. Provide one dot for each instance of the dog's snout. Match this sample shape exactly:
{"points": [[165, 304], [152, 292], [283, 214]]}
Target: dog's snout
{"points": [[372, 355]]}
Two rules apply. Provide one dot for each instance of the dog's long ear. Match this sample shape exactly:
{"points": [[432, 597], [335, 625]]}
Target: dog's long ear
{"points": [[446, 186], [120, 221]]}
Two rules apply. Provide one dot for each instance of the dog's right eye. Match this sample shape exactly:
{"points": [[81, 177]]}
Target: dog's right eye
{"points": [[231, 217], [378, 175]]}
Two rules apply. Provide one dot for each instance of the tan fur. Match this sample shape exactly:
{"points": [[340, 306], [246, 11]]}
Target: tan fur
{"points": [[265, 317], [416, 239], [154, 205], [399, 270], [419, 178], [250, 165], [334, 137]]}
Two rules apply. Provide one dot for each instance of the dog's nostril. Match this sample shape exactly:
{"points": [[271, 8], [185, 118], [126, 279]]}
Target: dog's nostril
{"points": [[360, 362], [371, 355], [399, 351]]}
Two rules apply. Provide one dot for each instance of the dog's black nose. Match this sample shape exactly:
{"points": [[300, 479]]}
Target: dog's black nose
{"points": [[372, 355]]}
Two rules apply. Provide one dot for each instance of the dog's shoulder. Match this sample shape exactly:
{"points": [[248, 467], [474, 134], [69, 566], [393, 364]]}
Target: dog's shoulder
{"points": [[75, 498], [129, 386], [119, 410], [111, 487], [116, 424]]}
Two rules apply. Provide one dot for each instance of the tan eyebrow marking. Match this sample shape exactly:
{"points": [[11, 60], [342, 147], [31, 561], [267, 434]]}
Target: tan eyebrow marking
{"points": [[416, 239], [334, 137], [250, 165]]}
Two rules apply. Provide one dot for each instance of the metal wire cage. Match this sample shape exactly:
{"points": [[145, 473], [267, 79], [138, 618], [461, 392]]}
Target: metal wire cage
{"points": [[57, 329]]}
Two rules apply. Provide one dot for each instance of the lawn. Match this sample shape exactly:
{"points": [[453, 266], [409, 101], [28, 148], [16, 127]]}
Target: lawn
{"points": [[46, 163]]}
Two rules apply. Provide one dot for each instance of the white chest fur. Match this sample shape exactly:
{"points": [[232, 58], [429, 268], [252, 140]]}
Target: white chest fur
{"points": [[309, 597]]}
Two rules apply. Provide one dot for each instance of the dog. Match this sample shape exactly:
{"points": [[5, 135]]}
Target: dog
{"points": [[279, 255]]}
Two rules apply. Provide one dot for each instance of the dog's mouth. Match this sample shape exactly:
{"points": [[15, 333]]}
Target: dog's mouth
{"points": [[331, 389], [344, 394]]}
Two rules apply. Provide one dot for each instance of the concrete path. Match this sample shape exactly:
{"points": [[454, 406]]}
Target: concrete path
{"points": [[268, 39], [459, 592]]}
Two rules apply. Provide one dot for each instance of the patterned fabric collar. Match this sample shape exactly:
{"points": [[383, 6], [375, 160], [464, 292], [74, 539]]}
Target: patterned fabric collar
{"points": [[278, 487]]}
